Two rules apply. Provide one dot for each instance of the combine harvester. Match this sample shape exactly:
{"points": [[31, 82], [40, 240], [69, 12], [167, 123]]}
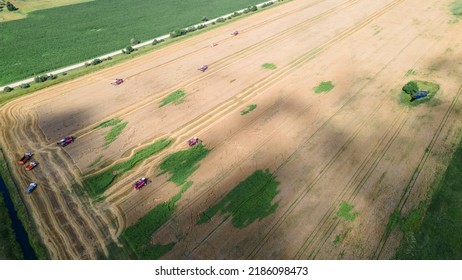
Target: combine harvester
{"points": [[25, 158], [31, 165], [31, 187], [66, 141], [193, 141], [117, 82], [140, 183], [203, 68]]}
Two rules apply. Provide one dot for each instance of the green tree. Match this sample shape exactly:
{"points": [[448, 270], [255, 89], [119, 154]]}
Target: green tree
{"points": [[10, 7], [410, 88]]}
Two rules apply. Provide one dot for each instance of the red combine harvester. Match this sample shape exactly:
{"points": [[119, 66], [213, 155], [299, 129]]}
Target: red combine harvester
{"points": [[31, 165], [25, 158], [235, 33], [140, 183], [66, 141], [203, 68], [193, 141], [117, 82]]}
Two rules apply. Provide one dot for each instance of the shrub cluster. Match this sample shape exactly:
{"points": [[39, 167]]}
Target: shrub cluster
{"points": [[10, 7], [24, 85], [128, 50], [155, 42], [411, 88], [7, 89], [267, 4]]}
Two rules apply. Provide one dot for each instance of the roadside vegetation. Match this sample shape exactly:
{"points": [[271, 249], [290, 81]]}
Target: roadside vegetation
{"points": [[251, 200], [9, 247], [324, 87], [175, 97], [37, 245], [269, 66], [249, 109], [434, 233], [77, 40], [98, 183]]}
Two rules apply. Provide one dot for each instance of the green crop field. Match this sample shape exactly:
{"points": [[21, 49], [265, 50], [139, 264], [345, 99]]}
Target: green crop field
{"points": [[57, 37]]}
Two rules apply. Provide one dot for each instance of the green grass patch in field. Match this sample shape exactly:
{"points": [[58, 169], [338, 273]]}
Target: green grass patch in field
{"points": [[112, 135], [95, 162], [456, 8], [183, 163], [435, 233], [339, 237], [139, 235], [98, 183], [406, 97], [58, 37], [111, 122], [410, 72], [250, 200], [175, 97], [269, 66], [249, 109], [324, 87], [9, 247], [345, 211]]}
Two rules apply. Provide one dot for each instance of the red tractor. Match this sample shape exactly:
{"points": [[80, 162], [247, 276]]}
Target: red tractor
{"points": [[31, 165], [25, 158], [203, 68], [66, 141], [193, 141], [140, 183], [117, 82]]}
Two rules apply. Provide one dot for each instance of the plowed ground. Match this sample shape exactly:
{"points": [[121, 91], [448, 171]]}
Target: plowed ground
{"points": [[356, 143]]}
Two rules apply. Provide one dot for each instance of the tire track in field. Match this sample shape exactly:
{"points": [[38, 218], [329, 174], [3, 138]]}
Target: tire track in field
{"points": [[407, 190]]}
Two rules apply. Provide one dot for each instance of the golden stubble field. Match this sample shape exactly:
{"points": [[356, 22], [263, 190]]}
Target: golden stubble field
{"points": [[355, 144]]}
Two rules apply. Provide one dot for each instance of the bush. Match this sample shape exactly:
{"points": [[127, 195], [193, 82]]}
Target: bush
{"points": [[64, 73], [221, 20], [155, 42], [204, 18], [192, 29], [128, 50], [41, 79], [236, 14], [134, 41], [410, 88], [178, 33], [252, 8], [201, 26], [96, 61], [7, 89], [10, 7], [52, 77], [24, 85]]}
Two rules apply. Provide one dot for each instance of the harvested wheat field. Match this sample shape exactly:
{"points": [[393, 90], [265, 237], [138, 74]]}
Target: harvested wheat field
{"points": [[313, 170]]}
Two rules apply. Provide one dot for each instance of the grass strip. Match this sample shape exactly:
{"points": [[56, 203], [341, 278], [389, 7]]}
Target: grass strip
{"points": [[98, 183], [112, 135], [9, 247], [34, 238], [435, 233], [111, 122], [175, 97], [250, 200]]}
